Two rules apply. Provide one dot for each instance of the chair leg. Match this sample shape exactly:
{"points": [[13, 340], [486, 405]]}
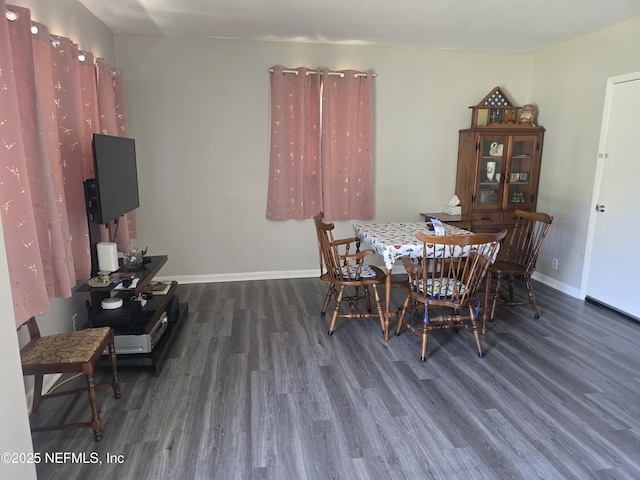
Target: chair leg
{"points": [[425, 335], [495, 297], [485, 307], [96, 423], [327, 299], [367, 298], [511, 298], [336, 312], [403, 312], [115, 382], [532, 298], [475, 329], [37, 393], [384, 321], [425, 340]]}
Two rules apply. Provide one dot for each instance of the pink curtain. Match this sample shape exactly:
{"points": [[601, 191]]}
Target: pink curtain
{"points": [[22, 238], [328, 168], [347, 145], [50, 108], [86, 74], [295, 190]]}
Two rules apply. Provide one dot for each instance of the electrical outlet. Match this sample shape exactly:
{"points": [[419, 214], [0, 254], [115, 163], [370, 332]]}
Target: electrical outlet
{"points": [[554, 263]]}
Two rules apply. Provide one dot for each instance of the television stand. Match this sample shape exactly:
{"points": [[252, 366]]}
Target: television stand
{"points": [[151, 316]]}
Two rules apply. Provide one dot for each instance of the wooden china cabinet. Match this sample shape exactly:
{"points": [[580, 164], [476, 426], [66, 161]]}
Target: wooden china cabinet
{"points": [[498, 164]]}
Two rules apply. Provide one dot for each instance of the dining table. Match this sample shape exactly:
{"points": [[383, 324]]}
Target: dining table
{"points": [[394, 240]]}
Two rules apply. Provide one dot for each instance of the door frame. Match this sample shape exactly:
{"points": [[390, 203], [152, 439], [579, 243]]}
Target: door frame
{"points": [[606, 114]]}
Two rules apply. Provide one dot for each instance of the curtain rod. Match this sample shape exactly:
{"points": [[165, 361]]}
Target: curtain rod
{"points": [[315, 72]]}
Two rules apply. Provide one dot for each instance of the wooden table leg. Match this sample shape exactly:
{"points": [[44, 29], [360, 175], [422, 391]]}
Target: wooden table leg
{"points": [[387, 311]]}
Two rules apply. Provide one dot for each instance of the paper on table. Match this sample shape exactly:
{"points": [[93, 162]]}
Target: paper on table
{"points": [[438, 227]]}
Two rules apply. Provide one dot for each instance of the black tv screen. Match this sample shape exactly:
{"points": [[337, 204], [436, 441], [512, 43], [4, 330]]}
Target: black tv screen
{"points": [[116, 177]]}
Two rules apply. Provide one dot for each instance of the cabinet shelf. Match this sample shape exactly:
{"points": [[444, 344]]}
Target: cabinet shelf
{"points": [[159, 354]]}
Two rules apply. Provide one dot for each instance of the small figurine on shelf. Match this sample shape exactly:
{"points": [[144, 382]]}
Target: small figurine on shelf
{"points": [[491, 170], [528, 114]]}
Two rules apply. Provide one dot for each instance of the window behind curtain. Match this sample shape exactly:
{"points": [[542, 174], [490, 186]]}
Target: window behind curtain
{"points": [[321, 152]]}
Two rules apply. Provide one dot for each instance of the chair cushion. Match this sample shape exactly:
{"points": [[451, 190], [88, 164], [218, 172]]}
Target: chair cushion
{"points": [[435, 288], [351, 271], [64, 348]]}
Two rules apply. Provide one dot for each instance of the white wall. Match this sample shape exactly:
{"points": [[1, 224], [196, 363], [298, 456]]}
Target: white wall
{"points": [[569, 83], [15, 436], [199, 111], [69, 18]]}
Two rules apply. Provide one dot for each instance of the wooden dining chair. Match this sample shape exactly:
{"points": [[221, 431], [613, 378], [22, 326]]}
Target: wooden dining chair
{"points": [[71, 352], [519, 260], [445, 281], [342, 266]]}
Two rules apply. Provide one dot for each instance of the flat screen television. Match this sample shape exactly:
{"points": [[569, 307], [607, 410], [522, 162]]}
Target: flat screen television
{"points": [[116, 177]]}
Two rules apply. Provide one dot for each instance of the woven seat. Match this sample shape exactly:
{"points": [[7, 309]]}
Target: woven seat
{"points": [[72, 352], [64, 348]]}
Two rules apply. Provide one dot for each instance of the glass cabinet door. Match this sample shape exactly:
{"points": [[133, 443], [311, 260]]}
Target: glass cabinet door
{"points": [[492, 154], [518, 179]]}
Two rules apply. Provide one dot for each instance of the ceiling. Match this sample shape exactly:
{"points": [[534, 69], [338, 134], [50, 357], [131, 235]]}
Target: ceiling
{"points": [[507, 25]]}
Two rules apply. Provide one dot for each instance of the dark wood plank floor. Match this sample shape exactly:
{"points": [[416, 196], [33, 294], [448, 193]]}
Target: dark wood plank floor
{"points": [[256, 389]]}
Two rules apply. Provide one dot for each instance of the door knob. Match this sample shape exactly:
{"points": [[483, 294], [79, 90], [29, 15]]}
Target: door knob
{"points": [[600, 208]]}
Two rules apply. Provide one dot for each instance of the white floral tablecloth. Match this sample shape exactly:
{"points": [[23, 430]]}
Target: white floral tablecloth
{"points": [[393, 240]]}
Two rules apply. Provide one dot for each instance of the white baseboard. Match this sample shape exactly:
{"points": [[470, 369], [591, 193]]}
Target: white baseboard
{"points": [[284, 274], [242, 277], [560, 286], [273, 275]]}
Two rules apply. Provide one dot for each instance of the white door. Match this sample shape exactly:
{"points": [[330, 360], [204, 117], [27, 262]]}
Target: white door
{"points": [[614, 268]]}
